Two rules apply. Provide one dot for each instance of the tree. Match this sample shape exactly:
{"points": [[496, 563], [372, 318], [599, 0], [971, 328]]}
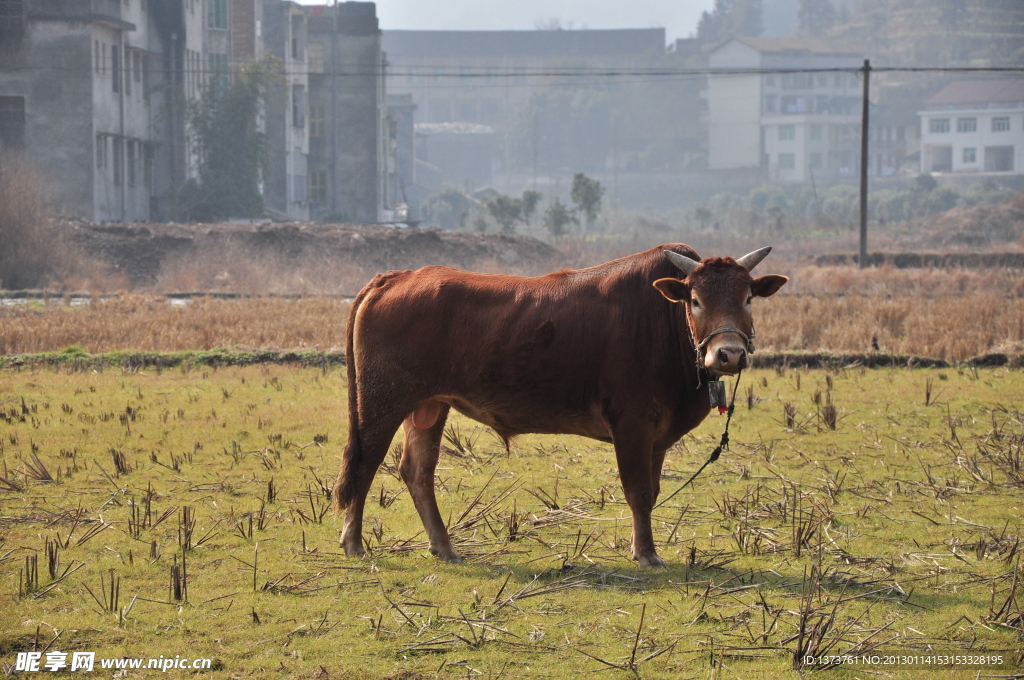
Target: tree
{"points": [[731, 18], [703, 215], [530, 200], [231, 150], [506, 211], [816, 17], [924, 183], [447, 207], [586, 193], [557, 217]]}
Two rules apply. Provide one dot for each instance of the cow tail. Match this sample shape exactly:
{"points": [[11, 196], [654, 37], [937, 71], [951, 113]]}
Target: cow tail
{"points": [[344, 487]]}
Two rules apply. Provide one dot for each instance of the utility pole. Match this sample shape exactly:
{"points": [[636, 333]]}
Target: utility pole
{"points": [[863, 259], [334, 115]]}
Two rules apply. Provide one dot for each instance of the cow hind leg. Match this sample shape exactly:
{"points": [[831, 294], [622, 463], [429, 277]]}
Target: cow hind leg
{"points": [[374, 442], [423, 431]]}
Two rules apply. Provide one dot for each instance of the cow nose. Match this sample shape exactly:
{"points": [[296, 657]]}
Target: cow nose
{"points": [[731, 359]]}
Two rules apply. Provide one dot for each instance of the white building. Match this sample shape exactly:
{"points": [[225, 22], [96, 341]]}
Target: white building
{"points": [[974, 126], [791, 124]]}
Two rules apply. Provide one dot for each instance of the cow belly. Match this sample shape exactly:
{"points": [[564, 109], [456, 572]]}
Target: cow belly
{"points": [[509, 420]]}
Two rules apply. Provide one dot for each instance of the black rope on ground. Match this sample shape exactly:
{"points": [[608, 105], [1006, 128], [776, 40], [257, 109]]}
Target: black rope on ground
{"points": [[722, 444]]}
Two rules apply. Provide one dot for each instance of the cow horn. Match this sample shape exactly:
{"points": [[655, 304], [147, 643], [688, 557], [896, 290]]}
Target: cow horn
{"points": [[685, 264], [751, 260]]}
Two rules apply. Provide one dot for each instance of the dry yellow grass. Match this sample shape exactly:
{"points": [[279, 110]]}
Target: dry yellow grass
{"points": [[950, 315], [951, 328], [150, 323]]}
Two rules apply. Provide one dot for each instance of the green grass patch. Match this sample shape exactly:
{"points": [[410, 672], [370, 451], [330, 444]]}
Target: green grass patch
{"points": [[201, 494]]}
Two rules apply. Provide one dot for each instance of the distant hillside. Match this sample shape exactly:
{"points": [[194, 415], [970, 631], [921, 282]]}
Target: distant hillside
{"points": [[936, 32]]}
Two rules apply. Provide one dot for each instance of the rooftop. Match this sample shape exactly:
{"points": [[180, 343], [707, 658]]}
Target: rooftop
{"points": [[611, 42], [978, 92], [796, 46]]}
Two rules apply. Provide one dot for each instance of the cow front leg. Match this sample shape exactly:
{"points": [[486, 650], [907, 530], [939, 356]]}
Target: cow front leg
{"points": [[423, 431], [634, 452]]}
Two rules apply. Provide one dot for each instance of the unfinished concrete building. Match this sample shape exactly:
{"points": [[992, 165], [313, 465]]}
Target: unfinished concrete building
{"points": [[76, 79], [96, 94], [288, 126], [346, 111]]}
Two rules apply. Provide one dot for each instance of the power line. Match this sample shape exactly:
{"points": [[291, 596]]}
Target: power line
{"points": [[464, 73]]}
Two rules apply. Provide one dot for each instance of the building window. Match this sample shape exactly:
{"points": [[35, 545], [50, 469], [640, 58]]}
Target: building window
{"points": [[115, 68], [128, 72], [147, 166], [131, 162], [316, 55], [966, 124], [101, 151], [96, 66], [970, 155], [317, 186], [145, 76], [316, 121], [938, 126], [787, 161], [218, 13], [137, 67], [822, 82], [1001, 124], [298, 106], [12, 122], [787, 133], [12, 22], [218, 70], [839, 81], [815, 133], [815, 161], [998, 159], [118, 161], [792, 104], [769, 80], [769, 103]]}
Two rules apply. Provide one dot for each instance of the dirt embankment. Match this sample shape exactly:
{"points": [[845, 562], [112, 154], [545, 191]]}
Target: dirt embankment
{"points": [[296, 257]]}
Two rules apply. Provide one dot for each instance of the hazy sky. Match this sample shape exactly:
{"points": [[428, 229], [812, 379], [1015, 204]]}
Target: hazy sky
{"points": [[678, 17]]}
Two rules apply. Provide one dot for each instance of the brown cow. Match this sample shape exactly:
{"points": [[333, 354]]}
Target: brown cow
{"points": [[596, 352]]}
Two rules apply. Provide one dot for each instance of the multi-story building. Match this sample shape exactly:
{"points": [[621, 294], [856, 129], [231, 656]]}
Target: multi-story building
{"points": [[472, 91], [347, 137], [790, 107], [96, 93], [76, 79], [287, 121], [974, 126]]}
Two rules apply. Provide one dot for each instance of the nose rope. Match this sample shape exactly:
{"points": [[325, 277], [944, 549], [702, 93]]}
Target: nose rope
{"points": [[702, 345], [722, 444], [749, 339]]}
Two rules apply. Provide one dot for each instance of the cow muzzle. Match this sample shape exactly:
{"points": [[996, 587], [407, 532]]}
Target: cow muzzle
{"points": [[725, 351], [726, 359]]}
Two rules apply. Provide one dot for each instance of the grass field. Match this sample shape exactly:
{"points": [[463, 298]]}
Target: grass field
{"points": [[899, 530]]}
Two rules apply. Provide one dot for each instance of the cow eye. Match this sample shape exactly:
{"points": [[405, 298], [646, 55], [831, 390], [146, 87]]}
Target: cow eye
{"points": [[695, 302], [749, 299]]}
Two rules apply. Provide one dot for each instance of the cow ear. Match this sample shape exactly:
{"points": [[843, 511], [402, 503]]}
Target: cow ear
{"points": [[766, 286], [673, 289]]}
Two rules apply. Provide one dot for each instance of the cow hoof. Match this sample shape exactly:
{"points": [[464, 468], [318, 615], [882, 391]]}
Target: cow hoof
{"points": [[652, 561], [354, 549], [446, 554]]}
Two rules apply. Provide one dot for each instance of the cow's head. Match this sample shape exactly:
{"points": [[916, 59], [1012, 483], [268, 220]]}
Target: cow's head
{"points": [[717, 292]]}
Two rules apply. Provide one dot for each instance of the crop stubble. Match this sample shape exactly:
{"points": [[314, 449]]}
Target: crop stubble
{"points": [[186, 512]]}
